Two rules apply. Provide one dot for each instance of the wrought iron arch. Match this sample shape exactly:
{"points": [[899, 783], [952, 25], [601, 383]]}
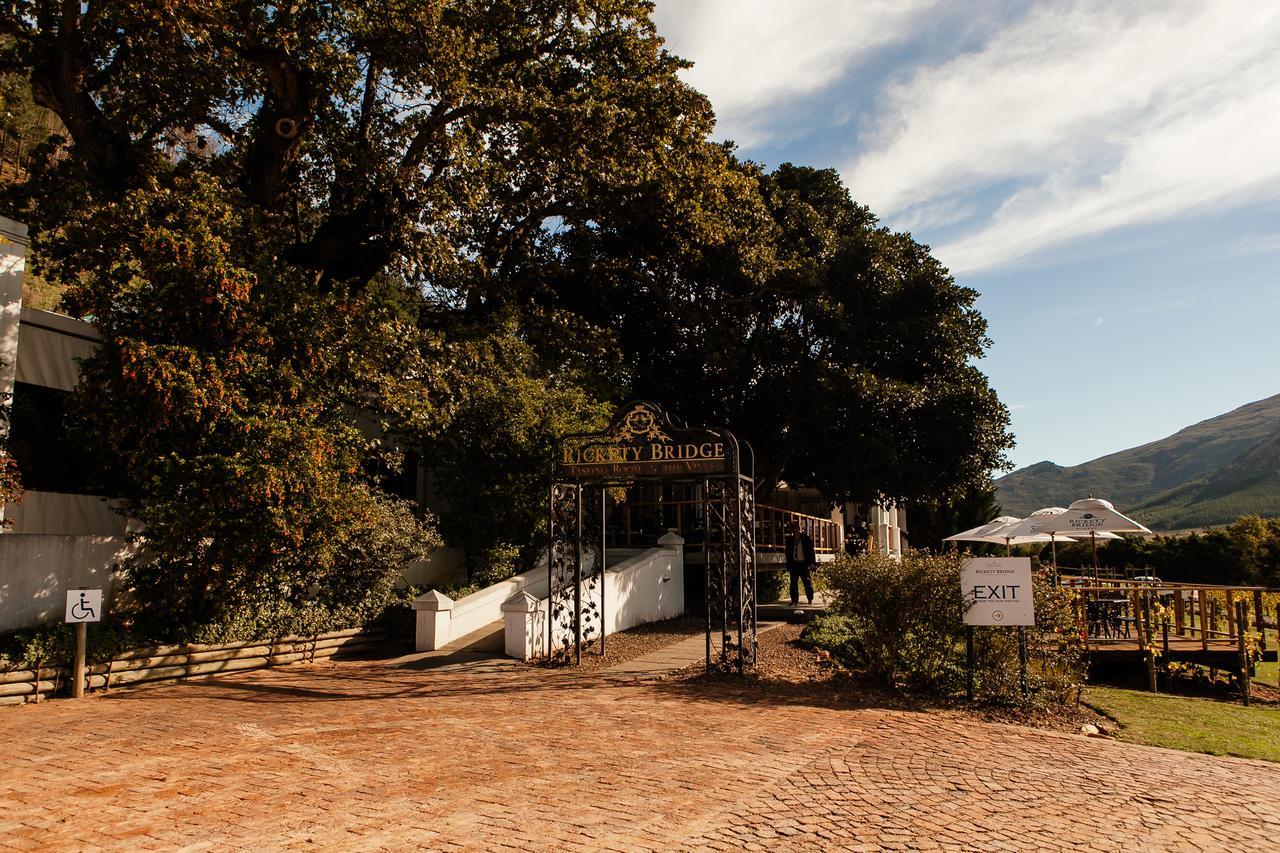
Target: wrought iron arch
{"points": [[644, 444]]}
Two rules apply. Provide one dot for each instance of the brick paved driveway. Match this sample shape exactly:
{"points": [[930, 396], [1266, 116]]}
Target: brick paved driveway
{"points": [[373, 755]]}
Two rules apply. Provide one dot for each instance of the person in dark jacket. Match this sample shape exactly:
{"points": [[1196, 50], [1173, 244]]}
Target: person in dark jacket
{"points": [[800, 559]]}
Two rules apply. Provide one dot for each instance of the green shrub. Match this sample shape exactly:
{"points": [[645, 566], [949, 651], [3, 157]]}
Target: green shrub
{"points": [[902, 623], [905, 617], [495, 563], [343, 577], [770, 585], [53, 644], [833, 633]]}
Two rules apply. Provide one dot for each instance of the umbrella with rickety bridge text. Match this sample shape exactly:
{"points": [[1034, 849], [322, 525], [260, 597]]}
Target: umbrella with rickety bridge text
{"points": [[1034, 524], [1092, 517]]}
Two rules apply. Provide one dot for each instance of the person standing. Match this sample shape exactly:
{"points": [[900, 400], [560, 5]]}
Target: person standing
{"points": [[800, 559]]}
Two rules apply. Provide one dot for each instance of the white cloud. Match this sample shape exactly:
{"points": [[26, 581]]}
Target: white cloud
{"points": [[752, 54], [1082, 117]]}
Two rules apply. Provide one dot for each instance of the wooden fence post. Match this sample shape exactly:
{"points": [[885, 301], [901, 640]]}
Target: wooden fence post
{"points": [[1259, 622], [1244, 655], [1204, 638], [1151, 644]]}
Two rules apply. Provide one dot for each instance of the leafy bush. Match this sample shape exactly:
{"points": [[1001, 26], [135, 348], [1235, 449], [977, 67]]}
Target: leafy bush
{"points": [[339, 577], [902, 623], [495, 563], [835, 634], [53, 644], [770, 585], [905, 617]]}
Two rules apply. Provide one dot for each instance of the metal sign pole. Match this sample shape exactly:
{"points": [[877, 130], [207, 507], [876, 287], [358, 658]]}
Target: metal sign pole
{"points": [[969, 661], [1022, 660]]}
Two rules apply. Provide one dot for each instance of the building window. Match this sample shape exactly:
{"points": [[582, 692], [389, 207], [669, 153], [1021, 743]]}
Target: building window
{"points": [[47, 457]]}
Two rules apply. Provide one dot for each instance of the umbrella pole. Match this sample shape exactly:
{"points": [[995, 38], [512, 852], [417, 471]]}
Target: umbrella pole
{"points": [[1093, 545], [1053, 549], [1008, 548]]}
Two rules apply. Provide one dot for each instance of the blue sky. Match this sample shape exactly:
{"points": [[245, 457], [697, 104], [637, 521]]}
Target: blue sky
{"points": [[1106, 175]]}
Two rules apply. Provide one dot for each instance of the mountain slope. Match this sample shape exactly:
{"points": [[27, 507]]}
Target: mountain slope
{"points": [[1249, 484], [1212, 460]]}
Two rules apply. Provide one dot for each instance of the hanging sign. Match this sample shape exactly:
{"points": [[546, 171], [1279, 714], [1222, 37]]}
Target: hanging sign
{"points": [[997, 591], [643, 442]]}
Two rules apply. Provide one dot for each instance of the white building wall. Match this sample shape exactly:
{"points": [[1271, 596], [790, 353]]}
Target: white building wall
{"points": [[54, 541]]}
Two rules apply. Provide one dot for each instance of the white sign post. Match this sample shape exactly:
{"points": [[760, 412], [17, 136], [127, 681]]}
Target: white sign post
{"points": [[83, 606], [998, 591]]}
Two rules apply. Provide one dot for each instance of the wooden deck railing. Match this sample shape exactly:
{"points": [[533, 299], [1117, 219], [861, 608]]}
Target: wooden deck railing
{"points": [[636, 523], [771, 529], [1199, 611]]}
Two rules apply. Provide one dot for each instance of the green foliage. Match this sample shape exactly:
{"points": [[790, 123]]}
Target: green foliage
{"points": [[496, 563], [905, 617], [53, 644], [770, 586], [472, 226], [279, 217], [929, 523], [1056, 654], [835, 634], [1247, 551], [839, 349], [901, 622], [489, 458], [20, 118]]}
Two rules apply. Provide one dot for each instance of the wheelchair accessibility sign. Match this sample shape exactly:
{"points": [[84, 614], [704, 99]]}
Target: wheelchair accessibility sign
{"points": [[84, 605]]}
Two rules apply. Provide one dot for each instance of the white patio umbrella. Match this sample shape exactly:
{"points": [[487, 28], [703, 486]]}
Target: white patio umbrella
{"points": [[1034, 524], [1095, 518], [982, 533], [1001, 531]]}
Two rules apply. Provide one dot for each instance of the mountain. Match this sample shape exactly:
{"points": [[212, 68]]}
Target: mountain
{"points": [[1209, 473], [1249, 484]]}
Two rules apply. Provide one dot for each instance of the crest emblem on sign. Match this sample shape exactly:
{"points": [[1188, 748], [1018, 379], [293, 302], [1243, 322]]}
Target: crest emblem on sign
{"points": [[640, 423]]}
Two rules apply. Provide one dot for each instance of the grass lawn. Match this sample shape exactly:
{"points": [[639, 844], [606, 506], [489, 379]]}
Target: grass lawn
{"points": [[1267, 673], [1194, 725]]}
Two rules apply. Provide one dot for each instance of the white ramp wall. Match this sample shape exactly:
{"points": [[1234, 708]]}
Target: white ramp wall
{"points": [[647, 587], [439, 619]]}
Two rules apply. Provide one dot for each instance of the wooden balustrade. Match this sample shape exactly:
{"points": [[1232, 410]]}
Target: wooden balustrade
{"points": [[626, 526]]}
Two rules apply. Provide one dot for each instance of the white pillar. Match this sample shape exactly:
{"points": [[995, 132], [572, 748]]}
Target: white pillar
{"points": [[671, 585], [432, 612], [523, 626], [672, 542]]}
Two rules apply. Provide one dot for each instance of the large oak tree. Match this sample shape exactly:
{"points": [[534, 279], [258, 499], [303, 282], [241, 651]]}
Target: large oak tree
{"points": [[472, 223]]}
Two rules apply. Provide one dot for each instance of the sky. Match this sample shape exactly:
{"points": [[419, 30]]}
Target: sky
{"points": [[1106, 175]]}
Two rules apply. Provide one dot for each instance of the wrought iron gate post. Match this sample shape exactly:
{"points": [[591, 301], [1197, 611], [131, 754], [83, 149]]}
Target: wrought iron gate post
{"points": [[577, 582]]}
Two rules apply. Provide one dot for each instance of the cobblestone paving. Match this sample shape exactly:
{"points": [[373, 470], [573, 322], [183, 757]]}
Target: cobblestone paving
{"points": [[377, 756]]}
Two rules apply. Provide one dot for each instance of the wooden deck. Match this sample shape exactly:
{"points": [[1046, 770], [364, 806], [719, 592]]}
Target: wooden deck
{"points": [[1210, 625], [1221, 654]]}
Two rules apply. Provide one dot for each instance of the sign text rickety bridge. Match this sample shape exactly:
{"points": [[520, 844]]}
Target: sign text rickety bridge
{"points": [[645, 444]]}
